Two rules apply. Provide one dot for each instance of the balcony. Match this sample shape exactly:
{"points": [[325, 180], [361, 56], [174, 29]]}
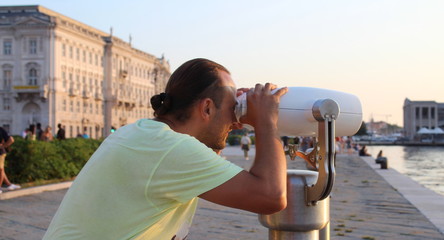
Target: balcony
{"points": [[86, 94], [26, 89], [123, 73], [98, 96], [73, 92], [21, 92]]}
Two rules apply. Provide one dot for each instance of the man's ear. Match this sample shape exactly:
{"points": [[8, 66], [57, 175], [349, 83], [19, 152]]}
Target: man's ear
{"points": [[206, 108]]}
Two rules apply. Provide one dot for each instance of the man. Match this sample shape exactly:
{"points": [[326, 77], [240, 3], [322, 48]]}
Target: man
{"points": [[5, 142], [144, 180], [61, 132], [245, 145], [39, 131]]}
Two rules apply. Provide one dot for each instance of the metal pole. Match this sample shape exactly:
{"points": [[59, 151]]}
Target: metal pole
{"points": [[308, 192], [298, 220]]}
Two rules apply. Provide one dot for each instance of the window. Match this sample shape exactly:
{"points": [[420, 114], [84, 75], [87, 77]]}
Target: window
{"points": [[7, 77], [85, 106], [77, 54], [63, 50], [64, 105], [7, 47], [64, 79], [33, 46], [432, 113], [425, 112], [6, 104], [71, 106], [70, 51], [32, 77]]}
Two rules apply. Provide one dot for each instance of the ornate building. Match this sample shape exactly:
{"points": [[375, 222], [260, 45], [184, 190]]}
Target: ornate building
{"points": [[422, 114], [57, 70]]}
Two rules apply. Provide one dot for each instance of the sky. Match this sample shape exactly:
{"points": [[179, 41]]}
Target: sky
{"points": [[382, 51]]}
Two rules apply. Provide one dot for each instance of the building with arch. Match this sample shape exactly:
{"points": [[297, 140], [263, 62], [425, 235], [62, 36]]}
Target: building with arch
{"points": [[54, 69]]}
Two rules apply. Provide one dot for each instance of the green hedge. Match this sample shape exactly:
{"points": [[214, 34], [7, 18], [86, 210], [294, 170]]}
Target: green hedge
{"points": [[31, 161], [234, 139]]}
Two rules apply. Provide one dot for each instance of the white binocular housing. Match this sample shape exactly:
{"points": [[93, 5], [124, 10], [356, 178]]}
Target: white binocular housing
{"points": [[296, 111]]}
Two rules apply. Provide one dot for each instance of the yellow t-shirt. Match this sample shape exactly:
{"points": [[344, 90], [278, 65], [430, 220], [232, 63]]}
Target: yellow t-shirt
{"points": [[141, 183]]}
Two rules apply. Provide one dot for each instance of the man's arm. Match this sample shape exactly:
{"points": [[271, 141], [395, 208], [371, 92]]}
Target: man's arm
{"points": [[263, 188], [9, 142]]}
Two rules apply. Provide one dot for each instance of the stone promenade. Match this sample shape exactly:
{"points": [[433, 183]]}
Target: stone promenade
{"points": [[363, 206]]}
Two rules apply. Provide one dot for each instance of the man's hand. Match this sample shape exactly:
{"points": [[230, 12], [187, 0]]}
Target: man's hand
{"points": [[262, 105]]}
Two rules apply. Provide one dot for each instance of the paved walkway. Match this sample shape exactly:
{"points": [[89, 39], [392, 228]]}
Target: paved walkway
{"points": [[363, 206]]}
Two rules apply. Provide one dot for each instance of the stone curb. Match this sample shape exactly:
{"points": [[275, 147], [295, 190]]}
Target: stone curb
{"points": [[34, 190], [428, 202]]}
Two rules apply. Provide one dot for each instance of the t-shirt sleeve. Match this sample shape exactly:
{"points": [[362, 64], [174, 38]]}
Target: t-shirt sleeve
{"points": [[190, 169]]}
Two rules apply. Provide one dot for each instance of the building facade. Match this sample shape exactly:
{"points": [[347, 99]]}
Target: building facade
{"points": [[57, 70], [419, 114]]}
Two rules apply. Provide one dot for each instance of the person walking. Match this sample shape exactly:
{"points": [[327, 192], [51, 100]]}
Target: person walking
{"points": [[144, 180], [5, 142], [245, 145], [30, 135], [47, 135], [39, 131], [60, 132]]}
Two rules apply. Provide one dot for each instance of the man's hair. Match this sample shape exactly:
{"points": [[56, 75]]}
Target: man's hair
{"points": [[192, 81]]}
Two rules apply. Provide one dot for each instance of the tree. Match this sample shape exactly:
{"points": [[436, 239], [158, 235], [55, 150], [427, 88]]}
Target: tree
{"points": [[362, 130]]}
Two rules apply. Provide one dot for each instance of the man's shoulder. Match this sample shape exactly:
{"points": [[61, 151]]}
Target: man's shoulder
{"points": [[3, 133]]}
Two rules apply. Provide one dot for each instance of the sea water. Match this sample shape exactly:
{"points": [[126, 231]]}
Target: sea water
{"points": [[425, 165]]}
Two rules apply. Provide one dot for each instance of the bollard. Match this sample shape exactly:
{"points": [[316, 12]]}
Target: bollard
{"points": [[299, 220], [382, 161]]}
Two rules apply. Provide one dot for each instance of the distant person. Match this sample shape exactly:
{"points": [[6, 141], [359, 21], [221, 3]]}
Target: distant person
{"points": [[30, 135], [25, 132], [380, 159], [245, 145], [285, 141], [39, 131], [349, 145], [47, 134], [306, 143], [60, 132], [338, 145], [379, 154], [363, 151], [296, 140], [85, 135], [5, 142]]}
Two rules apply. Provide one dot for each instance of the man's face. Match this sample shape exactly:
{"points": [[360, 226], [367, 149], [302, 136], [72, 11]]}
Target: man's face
{"points": [[224, 119]]}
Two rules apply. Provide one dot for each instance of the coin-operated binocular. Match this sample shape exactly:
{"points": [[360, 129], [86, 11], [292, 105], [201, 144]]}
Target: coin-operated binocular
{"points": [[310, 112]]}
